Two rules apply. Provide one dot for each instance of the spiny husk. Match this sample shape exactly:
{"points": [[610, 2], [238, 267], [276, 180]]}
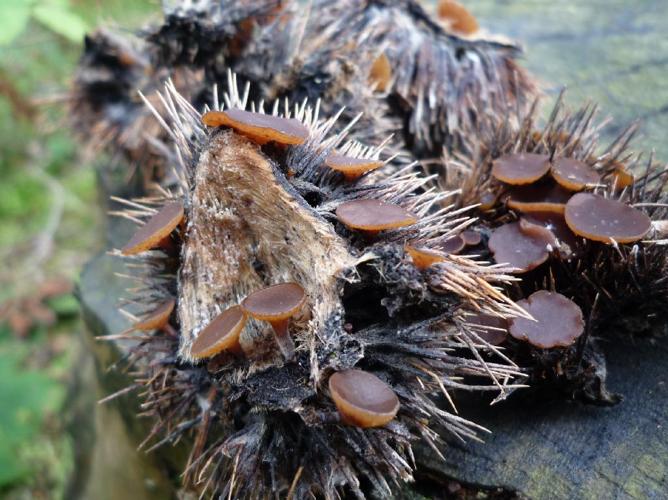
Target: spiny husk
{"points": [[325, 50], [436, 76], [262, 426], [620, 287]]}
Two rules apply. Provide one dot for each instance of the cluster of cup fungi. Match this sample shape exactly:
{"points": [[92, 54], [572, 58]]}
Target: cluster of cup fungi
{"points": [[309, 303], [584, 229]]}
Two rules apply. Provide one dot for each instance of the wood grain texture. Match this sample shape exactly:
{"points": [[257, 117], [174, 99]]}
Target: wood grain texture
{"points": [[613, 52]]}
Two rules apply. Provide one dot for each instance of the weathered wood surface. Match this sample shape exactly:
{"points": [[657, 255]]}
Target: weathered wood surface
{"points": [[560, 449], [614, 52]]}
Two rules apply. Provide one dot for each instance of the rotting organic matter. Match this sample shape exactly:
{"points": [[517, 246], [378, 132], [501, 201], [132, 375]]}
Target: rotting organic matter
{"points": [[393, 299], [260, 215]]}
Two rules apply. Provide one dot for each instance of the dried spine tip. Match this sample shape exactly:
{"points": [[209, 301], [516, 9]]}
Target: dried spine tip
{"points": [[574, 174], [363, 400], [258, 127], [222, 334], [558, 320], [521, 169], [351, 168], [600, 219], [156, 229], [373, 215], [523, 251], [157, 318], [423, 257], [276, 305]]}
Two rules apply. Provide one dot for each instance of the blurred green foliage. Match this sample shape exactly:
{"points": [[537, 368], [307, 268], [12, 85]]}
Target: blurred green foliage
{"points": [[48, 227], [57, 15]]}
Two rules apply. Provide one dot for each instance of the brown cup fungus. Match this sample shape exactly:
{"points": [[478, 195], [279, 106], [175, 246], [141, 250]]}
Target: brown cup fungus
{"points": [[457, 18], [380, 74], [491, 329], [520, 169], [423, 257], [471, 238], [600, 219], [156, 230], [258, 127], [573, 174], [556, 224], [487, 201], [351, 168], [363, 400], [157, 319], [372, 216], [558, 321], [622, 178], [543, 197], [277, 304], [523, 251], [222, 334], [453, 246]]}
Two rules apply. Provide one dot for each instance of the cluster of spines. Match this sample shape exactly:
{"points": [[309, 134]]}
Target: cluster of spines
{"points": [[461, 276]]}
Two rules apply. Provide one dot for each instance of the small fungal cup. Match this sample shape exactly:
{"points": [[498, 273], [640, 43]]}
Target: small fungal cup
{"points": [[276, 305], [363, 400], [152, 234], [222, 334], [558, 321], [373, 216], [601, 219], [258, 127]]}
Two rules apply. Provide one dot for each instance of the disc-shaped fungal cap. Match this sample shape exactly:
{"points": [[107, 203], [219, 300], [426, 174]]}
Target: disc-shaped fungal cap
{"points": [[350, 167], [362, 398], [220, 335], [156, 229], [457, 17], [556, 224], [275, 303], [423, 257], [157, 318], [373, 215], [490, 328], [521, 168], [258, 127], [543, 197], [511, 246], [574, 174], [471, 238], [558, 320], [600, 219], [380, 74], [453, 245]]}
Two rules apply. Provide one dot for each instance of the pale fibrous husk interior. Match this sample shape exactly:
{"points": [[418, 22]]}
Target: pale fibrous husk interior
{"points": [[256, 216]]}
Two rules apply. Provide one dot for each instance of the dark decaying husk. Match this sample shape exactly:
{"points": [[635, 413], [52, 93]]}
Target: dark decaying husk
{"points": [[435, 75], [286, 51], [256, 216], [619, 287]]}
